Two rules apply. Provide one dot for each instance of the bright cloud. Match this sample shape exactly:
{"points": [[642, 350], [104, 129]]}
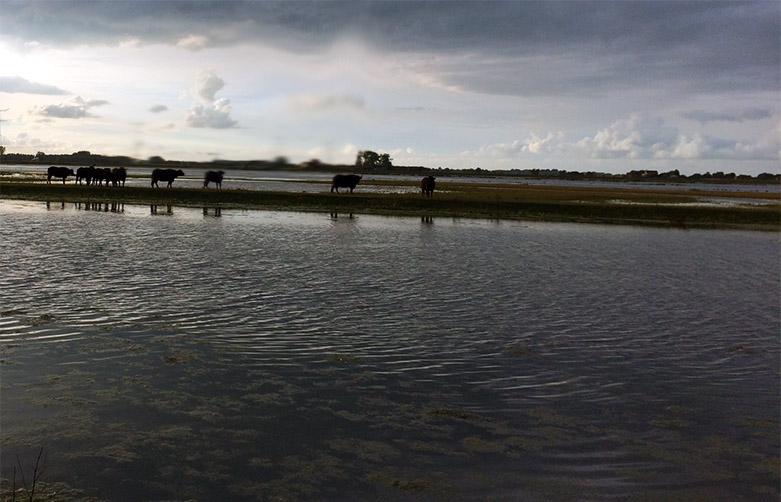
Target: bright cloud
{"points": [[644, 136], [535, 143], [209, 112], [193, 42]]}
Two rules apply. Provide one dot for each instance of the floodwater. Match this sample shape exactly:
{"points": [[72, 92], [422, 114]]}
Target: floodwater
{"points": [[180, 354]]}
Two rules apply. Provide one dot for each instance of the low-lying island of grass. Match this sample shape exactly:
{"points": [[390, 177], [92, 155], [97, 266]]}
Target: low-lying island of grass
{"points": [[690, 209]]}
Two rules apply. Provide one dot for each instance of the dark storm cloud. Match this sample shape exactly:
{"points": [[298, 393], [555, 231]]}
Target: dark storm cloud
{"points": [[698, 46]]}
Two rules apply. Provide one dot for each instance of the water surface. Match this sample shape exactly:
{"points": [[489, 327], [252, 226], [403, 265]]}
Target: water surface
{"points": [[177, 354]]}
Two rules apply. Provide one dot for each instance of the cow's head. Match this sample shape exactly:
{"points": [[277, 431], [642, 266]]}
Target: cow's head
{"points": [[179, 172]]}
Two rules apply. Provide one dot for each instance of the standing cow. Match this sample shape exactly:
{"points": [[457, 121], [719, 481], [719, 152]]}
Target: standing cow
{"points": [[345, 181], [213, 177], [116, 176], [427, 185], [86, 174], [168, 175], [58, 172], [97, 176]]}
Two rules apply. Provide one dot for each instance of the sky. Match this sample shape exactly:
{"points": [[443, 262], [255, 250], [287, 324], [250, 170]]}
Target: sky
{"points": [[607, 86]]}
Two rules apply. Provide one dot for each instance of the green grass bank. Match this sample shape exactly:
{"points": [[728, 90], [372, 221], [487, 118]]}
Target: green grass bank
{"points": [[665, 208]]}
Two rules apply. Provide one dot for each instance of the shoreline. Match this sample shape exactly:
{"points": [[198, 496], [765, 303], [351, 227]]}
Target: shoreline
{"points": [[658, 208]]}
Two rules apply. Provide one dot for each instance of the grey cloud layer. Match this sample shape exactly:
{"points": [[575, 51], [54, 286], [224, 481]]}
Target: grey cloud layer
{"points": [[20, 85], [76, 109], [707, 46]]}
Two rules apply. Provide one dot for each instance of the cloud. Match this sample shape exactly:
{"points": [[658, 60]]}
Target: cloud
{"points": [[704, 116], [705, 45], [644, 136], [76, 109], [311, 102], [23, 86], [207, 85], [215, 115], [24, 141], [193, 42], [534, 144], [209, 112], [158, 109]]}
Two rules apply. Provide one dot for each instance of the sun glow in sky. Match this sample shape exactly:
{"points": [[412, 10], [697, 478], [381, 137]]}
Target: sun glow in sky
{"points": [[604, 86]]}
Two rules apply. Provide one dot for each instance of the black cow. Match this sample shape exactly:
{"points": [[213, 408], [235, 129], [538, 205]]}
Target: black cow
{"points": [[345, 181], [86, 174], [213, 177], [116, 176], [427, 185], [101, 175], [97, 176], [168, 175], [59, 172]]}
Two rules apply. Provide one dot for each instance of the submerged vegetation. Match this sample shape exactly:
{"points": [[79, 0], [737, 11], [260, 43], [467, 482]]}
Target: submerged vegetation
{"points": [[679, 208]]}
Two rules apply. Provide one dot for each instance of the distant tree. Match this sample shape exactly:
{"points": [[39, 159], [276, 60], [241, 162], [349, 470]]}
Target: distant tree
{"points": [[40, 155], [384, 162], [367, 158], [311, 164], [2, 150], [281, 160], [156, 160]]}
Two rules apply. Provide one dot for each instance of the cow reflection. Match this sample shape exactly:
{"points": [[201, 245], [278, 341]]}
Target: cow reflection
{"points": [[153, 209], [114, 207], [217, 212], [427, 219], [50, 206], [335, 216]]}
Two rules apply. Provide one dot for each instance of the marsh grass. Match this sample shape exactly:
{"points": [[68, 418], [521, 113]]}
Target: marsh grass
{"points": [[452, 199]]}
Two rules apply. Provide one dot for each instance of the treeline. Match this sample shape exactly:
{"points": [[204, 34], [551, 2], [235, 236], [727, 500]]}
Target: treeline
{"points": [[87, 158]]}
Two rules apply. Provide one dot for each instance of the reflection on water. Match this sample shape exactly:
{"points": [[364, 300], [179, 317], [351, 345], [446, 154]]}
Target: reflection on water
{"points": [[113, 207], [270, 355], [154, 209]]}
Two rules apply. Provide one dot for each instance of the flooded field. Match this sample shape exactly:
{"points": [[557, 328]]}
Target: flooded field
{"points": [[187, 354]]}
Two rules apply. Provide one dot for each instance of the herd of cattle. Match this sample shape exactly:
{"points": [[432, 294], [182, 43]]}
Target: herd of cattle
{"points": [[116, 177]]}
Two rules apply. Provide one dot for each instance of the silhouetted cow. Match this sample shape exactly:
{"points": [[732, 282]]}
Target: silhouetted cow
{"points": [[97, 176], [85, 173], [59, 172], [427, 185], [213, 177], [102, 174], [168, 175], [116, 176], [345, 181]]}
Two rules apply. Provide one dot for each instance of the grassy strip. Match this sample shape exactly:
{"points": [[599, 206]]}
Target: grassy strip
{"points": [[594, 205]]}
